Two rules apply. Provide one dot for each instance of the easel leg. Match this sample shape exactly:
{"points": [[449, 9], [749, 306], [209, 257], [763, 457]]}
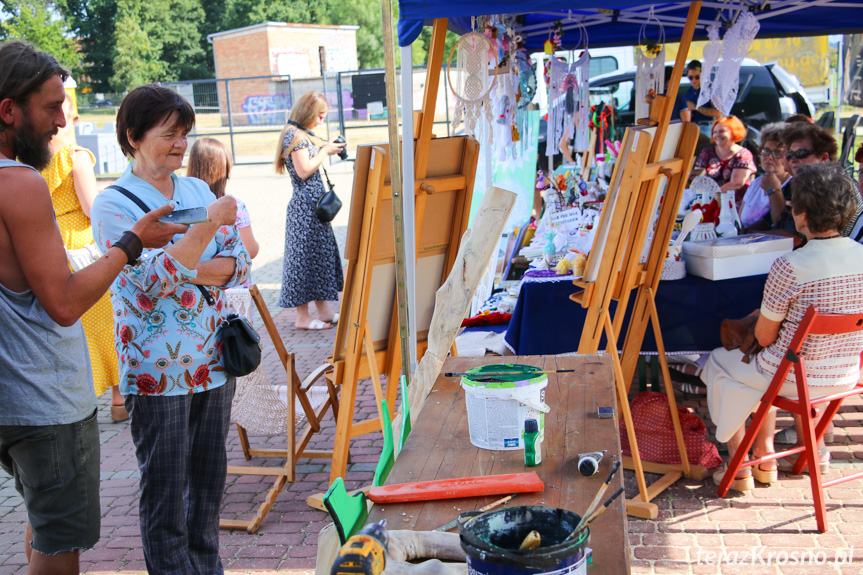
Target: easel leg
{"points": [[641, 508], [669, 390], [373, 368]]}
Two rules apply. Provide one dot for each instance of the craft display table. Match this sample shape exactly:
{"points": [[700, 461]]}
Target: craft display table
{"points": [[546, 321], [439, 447]]}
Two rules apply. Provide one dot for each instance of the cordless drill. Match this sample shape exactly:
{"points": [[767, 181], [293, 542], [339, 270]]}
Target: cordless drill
{"points": [[364, 552]]}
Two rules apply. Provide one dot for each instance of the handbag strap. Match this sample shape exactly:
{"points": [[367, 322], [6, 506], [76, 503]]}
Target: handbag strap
{"points": [[137, 201]]}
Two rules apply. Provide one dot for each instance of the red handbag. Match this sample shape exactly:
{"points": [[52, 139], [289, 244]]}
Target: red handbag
{"points": [[655, 433]]}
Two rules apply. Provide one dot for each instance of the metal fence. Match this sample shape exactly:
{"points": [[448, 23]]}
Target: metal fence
{"points": [[247, 114]]}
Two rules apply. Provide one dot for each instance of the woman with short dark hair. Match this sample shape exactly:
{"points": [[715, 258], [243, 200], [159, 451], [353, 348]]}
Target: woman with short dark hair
{"points": [[168, 307], [827, 272]]}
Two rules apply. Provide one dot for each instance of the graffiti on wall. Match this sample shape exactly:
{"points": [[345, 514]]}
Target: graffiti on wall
{"points": [[267, 110]]}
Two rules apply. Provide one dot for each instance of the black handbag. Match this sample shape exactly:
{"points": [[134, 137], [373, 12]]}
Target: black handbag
{"points": [[329, 205], [241, 346]]}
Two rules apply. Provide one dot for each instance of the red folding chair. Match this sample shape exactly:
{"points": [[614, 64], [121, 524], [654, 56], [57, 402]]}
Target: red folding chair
{"points": [[813, 324]]}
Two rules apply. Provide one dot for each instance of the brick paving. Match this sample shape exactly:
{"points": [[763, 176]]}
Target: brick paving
{"points": [[694, 530]]}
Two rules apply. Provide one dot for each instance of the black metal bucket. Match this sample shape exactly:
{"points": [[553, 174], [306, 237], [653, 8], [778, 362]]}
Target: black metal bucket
{"points": [[491, 541]]}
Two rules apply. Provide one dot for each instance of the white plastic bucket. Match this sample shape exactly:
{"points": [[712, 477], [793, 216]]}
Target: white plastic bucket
{"points": [[497, 406]]}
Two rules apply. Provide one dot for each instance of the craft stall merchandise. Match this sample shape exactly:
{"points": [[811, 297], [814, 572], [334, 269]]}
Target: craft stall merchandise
{"points": [[473, 433]]}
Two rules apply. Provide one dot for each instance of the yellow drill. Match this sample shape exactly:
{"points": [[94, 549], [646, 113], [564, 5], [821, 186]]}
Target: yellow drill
{"points": [[364, 552]]}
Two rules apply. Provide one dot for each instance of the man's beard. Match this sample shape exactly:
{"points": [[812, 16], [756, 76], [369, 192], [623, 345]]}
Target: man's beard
{"points": [[31, 149]]}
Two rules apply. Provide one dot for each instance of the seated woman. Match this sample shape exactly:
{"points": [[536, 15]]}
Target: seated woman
{"points": [[827, 272], [727, 162], [761, 197]]}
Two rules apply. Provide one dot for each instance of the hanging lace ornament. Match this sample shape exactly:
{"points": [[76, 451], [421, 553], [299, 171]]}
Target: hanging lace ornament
{"points": [[650, 67], [569, 102], [735, 46], [711, 56], [471, 85]]}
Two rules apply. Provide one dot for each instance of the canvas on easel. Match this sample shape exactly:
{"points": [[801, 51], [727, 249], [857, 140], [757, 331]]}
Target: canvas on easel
{"points": [[367, 337]]}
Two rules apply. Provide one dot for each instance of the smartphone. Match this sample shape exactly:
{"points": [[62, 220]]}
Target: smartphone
{"points": [[185, 217]]}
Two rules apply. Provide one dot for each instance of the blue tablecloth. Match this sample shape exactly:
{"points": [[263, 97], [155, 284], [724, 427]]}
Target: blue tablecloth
{"points": [[547, 322]]}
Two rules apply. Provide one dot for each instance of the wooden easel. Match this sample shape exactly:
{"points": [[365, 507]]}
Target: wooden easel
{"points": [[364, 346], [621, 272], [295, 448], [367, 337]]}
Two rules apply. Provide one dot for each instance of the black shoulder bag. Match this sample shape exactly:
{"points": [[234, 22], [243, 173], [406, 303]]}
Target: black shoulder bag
{"points": [[241, 344], [329, 205]]}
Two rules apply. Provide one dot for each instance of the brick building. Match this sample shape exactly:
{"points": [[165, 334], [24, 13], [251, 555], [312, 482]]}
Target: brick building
{"points": [[270, 54]]}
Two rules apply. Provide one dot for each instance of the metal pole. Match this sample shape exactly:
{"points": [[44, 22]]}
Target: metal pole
{"points": [[840, 92], [230, 120], [396, 183], [341, 104], [408, 189], [446, 102]]}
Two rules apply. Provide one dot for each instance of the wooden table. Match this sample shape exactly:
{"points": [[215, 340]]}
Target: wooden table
{"points": [[439, 447]]}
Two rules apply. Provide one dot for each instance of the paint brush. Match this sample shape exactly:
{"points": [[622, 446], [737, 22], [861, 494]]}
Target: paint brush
{"points": [[488, 507], [598, 512], [505, 373], [597, 498]]}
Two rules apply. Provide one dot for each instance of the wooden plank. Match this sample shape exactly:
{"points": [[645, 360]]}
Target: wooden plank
{"points": [[439, 447]]}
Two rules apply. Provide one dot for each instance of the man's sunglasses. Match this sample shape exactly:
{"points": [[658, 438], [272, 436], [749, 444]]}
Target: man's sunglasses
{"points": [[798, 154], [698, 77], [768, 153]]}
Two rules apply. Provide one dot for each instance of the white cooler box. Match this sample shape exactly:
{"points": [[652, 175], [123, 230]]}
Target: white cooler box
{"points": [[734, 257]]}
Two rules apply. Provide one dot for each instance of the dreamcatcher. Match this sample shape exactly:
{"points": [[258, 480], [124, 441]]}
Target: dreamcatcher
{"points": [[526, 79], [505, 94], [569, 101], [735, 46], [472, 86], [711, 56], [721, 87], [650, 67]]}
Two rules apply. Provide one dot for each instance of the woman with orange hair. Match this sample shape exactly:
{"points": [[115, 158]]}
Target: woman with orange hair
{"points": [[727, 162]]}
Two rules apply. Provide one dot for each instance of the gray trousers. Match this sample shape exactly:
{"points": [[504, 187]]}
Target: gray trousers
{"points": [[180, 446]]}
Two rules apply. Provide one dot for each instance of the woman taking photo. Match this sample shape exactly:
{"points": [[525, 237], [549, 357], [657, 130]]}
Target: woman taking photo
{"points": [[827, 272], [177, 392], [312, 266], [727, 162]]}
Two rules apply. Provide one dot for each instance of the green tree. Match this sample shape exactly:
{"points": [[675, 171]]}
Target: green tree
{"points": [[93, 23], [367, 15], [136, 58], [242, 13], [39, 22]]}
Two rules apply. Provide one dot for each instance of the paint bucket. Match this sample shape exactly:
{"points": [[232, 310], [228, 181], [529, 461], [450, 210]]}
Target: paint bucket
{"points": [[497, 406], [491, 541]]}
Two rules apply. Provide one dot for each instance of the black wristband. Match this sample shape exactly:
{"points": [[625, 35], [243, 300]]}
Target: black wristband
{"points": [[131, 245]]}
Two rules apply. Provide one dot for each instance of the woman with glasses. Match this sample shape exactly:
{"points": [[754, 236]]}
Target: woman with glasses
{"points": [[727, 162], [764, 195]]}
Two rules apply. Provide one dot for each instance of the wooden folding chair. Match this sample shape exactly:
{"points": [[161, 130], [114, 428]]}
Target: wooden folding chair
{"points": [[296, 447], [813, 323]]}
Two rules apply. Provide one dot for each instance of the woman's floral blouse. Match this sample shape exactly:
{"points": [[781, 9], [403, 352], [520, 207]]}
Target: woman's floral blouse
{"points": [[164, 329]]}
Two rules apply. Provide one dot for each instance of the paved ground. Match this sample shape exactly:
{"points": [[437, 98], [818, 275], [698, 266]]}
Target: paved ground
{"points": [[694, 530]]}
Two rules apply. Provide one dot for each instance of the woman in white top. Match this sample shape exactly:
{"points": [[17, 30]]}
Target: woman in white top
{"points": [[827, 272], [767, 188]]}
